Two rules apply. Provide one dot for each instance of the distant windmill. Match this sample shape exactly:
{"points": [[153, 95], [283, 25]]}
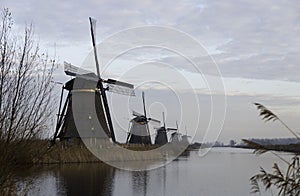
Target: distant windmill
{"points": [[139, 131], [161, 133], [176, 136], [184, 138]]}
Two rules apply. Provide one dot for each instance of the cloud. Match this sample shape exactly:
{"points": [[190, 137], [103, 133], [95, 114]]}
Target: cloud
{"points": [[230, 30], [271, 66], [246, 39], [255, 44]]}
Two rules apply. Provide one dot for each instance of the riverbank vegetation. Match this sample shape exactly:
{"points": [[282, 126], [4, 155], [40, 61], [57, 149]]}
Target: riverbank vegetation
{"points": [[289, 147], [26, 104], [286, 182]]}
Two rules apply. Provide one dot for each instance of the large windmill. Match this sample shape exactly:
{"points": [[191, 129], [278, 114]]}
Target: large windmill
{"points": [[66, 126], [161, 133], [139, 130]]}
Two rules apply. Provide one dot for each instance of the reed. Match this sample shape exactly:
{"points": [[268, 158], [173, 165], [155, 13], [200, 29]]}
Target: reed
{"points": [[287, 182]]}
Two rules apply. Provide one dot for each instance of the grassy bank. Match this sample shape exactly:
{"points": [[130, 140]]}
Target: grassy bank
{"points": [[59, 154]]}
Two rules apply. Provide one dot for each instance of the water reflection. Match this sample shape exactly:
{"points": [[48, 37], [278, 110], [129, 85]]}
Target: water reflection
{"points": [[88, 179], [220, 172], [68, 179], [139, 182]]}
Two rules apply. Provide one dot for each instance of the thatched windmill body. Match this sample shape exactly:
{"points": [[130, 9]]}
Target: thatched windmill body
{"points": [[185, 138], [161, 133], [176, 136], [139, 130]]}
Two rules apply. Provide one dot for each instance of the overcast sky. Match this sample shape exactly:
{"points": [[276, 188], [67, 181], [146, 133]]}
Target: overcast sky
{"points": [[255, 45]]}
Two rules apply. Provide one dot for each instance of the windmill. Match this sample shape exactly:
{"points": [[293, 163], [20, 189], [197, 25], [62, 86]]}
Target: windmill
{"points": [[184, 138], [161, 133], [176, 136], [139, 130], [65, 127]]}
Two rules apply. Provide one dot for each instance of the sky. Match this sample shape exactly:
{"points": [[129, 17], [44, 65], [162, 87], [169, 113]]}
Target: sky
{"points": [[213, 61]]}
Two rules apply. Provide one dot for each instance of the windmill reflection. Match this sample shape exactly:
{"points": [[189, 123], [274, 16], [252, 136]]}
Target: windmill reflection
{"points": [[140, 182], [88, 179]]}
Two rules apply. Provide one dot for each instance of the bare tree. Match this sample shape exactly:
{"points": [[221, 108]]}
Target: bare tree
{"points": [[26, 104], [25, 84]]}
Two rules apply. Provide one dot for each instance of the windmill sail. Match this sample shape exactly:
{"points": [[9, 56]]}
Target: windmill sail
{"points": [[119, 83], [72, 70], [134, 113], [154, 120], [113, 85], [93, 35], [115, 88], [172, 129]]}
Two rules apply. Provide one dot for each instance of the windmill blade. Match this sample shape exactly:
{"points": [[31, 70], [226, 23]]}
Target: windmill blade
{"points": [[93, 33], [172, 133], [145, 115], [154, 120], [72, 70], [171, 129], [119, 83], [102, 90], [134, 113], [120, 90], [144, 104], [176, 124], [164, 119]]}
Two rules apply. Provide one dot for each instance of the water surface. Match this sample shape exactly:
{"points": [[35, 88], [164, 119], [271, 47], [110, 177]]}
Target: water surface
{"points": [[223, 171]]}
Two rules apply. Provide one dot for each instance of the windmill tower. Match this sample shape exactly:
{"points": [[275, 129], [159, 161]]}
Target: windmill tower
{"points": [[139, 130], [161, 133], [184, 138], [176, 136], [85, 86]]}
